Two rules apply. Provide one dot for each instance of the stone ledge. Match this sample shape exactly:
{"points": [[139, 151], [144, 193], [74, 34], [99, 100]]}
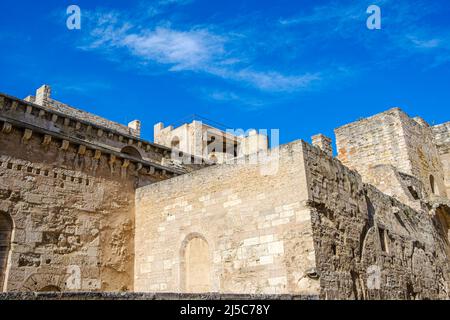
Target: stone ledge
{"points": [[147, 296]]}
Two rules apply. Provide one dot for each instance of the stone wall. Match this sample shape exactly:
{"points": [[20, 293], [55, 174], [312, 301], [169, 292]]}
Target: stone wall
{"points": [[70, 213], [423, 154], [442, 140], [360, 233], [364, 243], [298, 222], [255, 226], [146, 296], [373, 141], [71, 200]]}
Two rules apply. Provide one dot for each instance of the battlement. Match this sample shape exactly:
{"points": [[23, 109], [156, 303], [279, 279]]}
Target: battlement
{"points": [[322, 142], [442, 134], [94, 136], [43, 98]]}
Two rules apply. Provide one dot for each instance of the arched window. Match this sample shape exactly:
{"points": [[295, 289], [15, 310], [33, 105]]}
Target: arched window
{"points": [[432, 184], [131, 151], [6, 227], [175, 143], [196, 273]]}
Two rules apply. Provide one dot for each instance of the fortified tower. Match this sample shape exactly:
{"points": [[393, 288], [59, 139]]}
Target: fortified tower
{"points": [[392, 138]]}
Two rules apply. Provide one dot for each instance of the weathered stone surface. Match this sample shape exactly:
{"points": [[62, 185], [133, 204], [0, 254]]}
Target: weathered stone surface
{"points": [[87, 205], [146, 296], [73, 211], [313, 228], [392, 138], [442, 140], [257, 228], [357, 228]]}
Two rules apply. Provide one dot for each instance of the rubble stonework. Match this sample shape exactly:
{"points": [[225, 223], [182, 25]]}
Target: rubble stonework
{"points": [[88, 205]]}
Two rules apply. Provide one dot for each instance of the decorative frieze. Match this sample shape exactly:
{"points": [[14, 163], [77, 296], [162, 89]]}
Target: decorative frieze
{"points": [[116, 140]]}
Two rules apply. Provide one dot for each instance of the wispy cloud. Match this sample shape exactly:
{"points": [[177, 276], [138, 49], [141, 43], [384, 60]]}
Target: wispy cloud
{"points": [[268, 55], [184, 50], [427, 44], [336, 13], [405, 27], [200, 49], [250, 102]]}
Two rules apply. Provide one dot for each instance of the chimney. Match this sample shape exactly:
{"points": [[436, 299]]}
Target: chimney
{"points": [[323, 143]]}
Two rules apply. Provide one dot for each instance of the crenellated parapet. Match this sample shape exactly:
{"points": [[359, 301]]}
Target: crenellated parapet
{"points": [[82, 141]]}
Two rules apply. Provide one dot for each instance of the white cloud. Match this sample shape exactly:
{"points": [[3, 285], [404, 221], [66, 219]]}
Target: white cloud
{"points": [[269, 80], [241, 99], [426, 44], [336, 13], [184, 50], [197, 49]]}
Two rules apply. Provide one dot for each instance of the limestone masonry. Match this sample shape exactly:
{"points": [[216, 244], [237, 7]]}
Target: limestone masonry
{"points": [[86, 204]]}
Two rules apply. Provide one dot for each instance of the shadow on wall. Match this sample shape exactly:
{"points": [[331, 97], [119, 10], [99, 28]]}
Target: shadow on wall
{"points": [[6, 228], [132, 151]]}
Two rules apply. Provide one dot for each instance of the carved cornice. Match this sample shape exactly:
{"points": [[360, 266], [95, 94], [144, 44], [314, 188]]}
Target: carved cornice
{"points": [[65, 141]]}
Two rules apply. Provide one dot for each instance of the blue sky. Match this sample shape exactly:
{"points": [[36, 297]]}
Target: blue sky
{"points": [[303, 67]]}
